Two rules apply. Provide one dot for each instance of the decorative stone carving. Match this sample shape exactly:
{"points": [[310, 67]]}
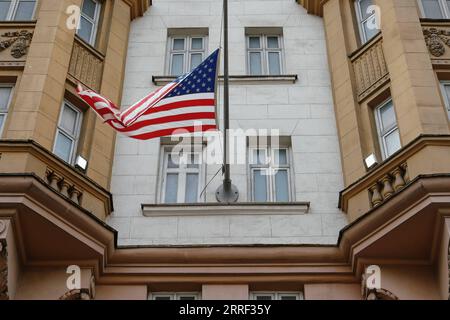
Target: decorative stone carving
{"points": [[436, 39], [63, 186], [19, 41], [76, 294], [375, 294], [3, 271], [376, 196], [370, 69]]}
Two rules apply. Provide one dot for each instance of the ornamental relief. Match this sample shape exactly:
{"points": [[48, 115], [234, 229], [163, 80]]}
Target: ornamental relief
{"points": [[3, 269], [17, 41], [436, 40]]}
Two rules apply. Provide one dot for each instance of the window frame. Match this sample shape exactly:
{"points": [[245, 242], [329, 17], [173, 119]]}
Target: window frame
{"points": [[8, 104], [174, 295], [362, 33], [95, 22], [76, 138], [14, 5], [382, 134], [271, 166], [182, 175], [187, 51], [276, 295], [446, 97], [445, 10], [264, 50]]}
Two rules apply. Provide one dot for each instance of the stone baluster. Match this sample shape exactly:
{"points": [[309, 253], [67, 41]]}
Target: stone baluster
{"points": [[404, 166], [376, 197], [65, 186], [75, 194], [399, 182], [54, 180], [387, 187]]}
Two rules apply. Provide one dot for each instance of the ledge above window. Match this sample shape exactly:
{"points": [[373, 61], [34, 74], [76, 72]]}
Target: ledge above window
{"points": [[289, 78], [217, 209]]}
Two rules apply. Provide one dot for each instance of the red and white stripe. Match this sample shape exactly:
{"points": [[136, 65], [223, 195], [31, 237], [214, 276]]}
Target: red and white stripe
{"points": [[154, 117]]}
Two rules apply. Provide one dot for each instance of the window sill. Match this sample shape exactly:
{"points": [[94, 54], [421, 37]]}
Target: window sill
{"points": [[17, 23], [217, 209], [289, 78]]}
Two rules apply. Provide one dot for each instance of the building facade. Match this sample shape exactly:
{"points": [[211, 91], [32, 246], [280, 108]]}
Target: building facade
{"points": [[356, 92]]}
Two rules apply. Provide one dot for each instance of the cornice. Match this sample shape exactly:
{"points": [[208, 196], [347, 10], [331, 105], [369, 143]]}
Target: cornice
{"points": [[138, 7], [314, 7]]}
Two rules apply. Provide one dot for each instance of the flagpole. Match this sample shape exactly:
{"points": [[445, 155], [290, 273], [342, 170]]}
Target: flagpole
{"points": [[227, 193]]}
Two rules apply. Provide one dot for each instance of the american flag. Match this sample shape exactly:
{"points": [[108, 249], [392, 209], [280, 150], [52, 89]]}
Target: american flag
{"points": [[185, 105]]}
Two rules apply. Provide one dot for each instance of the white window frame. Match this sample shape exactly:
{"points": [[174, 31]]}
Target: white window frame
{"points": [[182, 172], [95, 22], [8, 104], [271, 167], [276, 295], [264, 50], [361, 22], [174, 295], [442, 4], [187, 51], [75, 138], [445, 96], [13, 10], [383, 134]]}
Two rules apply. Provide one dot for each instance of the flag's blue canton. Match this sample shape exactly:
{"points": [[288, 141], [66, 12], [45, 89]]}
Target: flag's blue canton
{"points": [[201, 80]]}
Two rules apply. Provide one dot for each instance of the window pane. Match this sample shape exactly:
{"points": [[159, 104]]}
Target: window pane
{"points": [[393, 143], [254, 42], [2, 119], [89, 8], [163, 298], [370, 28], [171, 193], [187, 298], [255, 63], [194, 161], [364, 6], [4, 8], [280, 156], [387, 115], [272, 43], [262, 297], [432, 9], [24, 10], [4, 98], [191, 195], [177, 64], [69, 120], [197, 43], [447, 95], [259, 156], [173, 161], [282, 186], [196, 59], [85, 30], [259, 186], [178, 44], [288, 298], [63, 146], [274, 63]]}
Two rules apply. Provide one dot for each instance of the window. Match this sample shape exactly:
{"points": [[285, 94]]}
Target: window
{"points": [[270, 174], [276, 296], [446, 92], [17, 10], [68, 133], [174, 296], [435, 9], [388, 132], [264, 54], [367, 19], [182, 177], [5, 100], [185, 53], [90, 15]]}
